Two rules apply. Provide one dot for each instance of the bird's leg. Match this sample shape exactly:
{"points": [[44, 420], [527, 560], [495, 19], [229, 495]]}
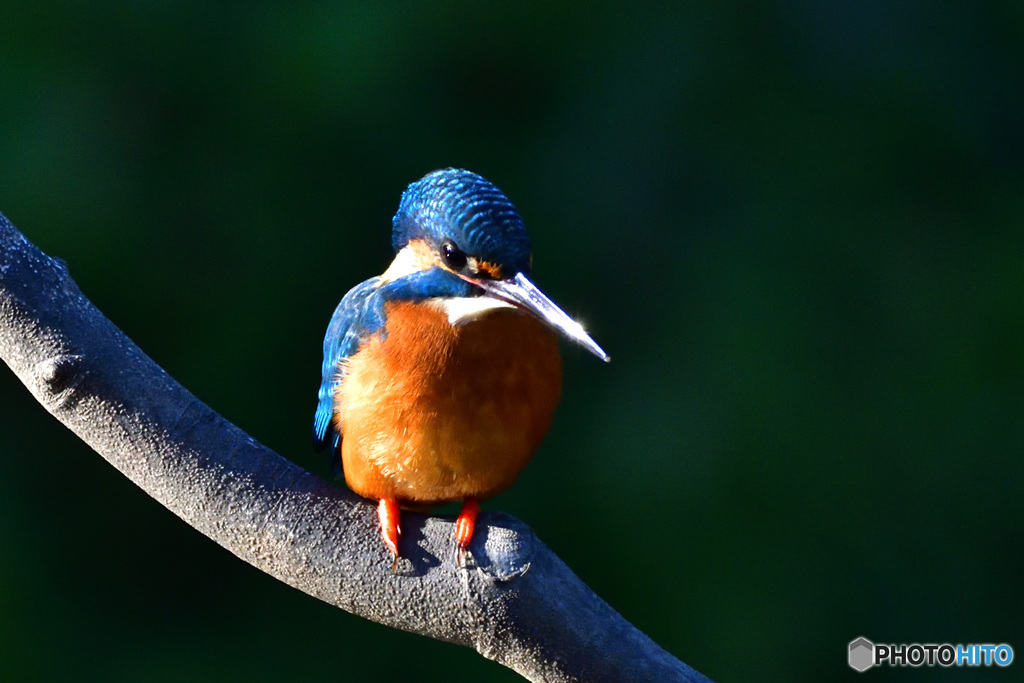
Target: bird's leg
{"points": [[387, 510], [465, 525]]}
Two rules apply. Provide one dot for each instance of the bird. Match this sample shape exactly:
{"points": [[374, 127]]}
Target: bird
{"points": [[441, 375]]}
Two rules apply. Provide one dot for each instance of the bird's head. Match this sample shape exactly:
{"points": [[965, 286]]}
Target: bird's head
{"points": [[457, 224]]}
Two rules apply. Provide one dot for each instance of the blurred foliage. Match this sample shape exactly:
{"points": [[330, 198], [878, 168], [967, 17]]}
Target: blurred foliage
{"points": [[796, 227]]}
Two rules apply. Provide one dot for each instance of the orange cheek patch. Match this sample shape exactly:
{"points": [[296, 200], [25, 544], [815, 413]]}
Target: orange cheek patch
{"points": [[492, 269]]}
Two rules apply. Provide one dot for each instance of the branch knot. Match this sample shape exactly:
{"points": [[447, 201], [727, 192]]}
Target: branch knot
{"points": [[60, 373]]}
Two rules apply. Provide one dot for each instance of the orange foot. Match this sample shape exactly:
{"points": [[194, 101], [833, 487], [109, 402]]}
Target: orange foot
{"points": [[465, 525], [387, 510]]}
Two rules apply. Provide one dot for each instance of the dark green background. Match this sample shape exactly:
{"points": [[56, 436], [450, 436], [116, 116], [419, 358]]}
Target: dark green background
{"points": [[798, 228]]}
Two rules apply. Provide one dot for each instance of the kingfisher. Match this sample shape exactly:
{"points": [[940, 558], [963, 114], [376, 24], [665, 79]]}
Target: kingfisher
{"points": [[440, 376]]}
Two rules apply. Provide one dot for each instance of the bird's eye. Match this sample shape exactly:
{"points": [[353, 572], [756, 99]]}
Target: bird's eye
{"points": [[452, 256]]}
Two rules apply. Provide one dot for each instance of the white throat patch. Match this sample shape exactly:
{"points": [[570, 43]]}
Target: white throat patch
{"points": [[461, 310]]}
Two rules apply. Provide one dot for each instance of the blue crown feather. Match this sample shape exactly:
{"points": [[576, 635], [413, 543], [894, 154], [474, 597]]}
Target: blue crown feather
{"points": [[468, 209]]}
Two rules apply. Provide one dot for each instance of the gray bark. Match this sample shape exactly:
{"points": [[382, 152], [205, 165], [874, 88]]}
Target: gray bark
{"points": [[515, 603]]}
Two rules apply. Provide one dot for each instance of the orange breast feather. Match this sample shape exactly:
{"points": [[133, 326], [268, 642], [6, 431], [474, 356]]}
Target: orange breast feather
{"points": [[439, 412]]}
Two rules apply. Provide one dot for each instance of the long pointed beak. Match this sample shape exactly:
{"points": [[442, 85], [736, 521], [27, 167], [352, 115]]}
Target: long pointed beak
{"points": [[519, 291]]}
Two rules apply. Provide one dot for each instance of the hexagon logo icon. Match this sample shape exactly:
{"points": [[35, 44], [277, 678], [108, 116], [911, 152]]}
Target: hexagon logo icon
{"points": [[862, 654]]}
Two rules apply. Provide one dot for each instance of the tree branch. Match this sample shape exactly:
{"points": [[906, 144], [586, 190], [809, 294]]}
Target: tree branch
{"points": [[519, 605]]}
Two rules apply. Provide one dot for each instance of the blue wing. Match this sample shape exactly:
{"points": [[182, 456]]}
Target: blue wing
{"points": [[359, 315]]}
